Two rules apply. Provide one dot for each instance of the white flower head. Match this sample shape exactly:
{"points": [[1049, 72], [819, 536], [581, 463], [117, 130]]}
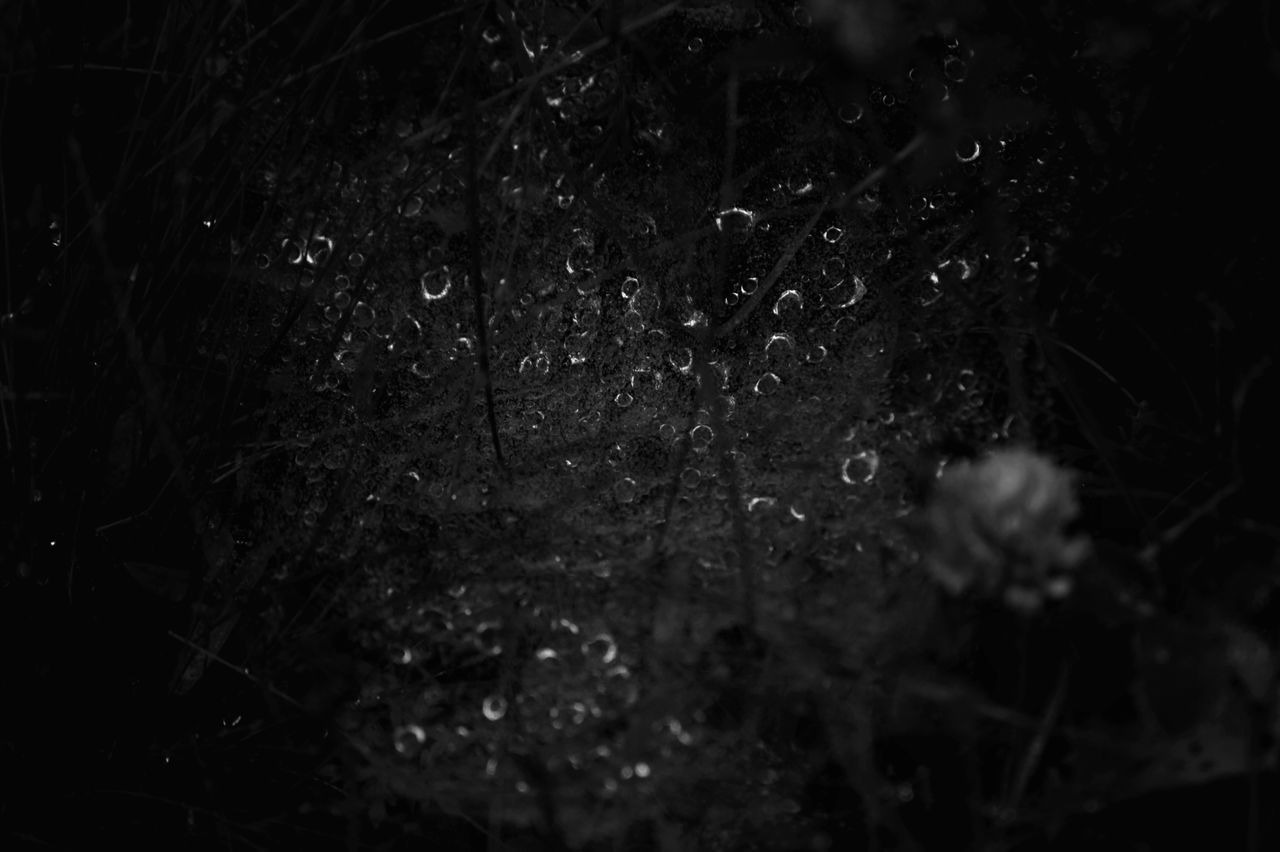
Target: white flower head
{"points": [[996, 528]]}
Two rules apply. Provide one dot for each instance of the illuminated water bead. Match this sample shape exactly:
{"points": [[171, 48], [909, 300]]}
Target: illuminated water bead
{"points": [[407, 738], [625, 490], [494, 707], [735, 220], [788, 301], [318, 250], [779, 348], [868, 462], [849, 293], [968, 150], [767, 384], [602, 647], [293, 252], [681, 359], [435, 284]]}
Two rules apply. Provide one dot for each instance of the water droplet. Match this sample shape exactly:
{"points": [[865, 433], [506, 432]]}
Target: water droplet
{"points": [[412, 207], [859, 468], [681, 359], [293, 252], [318, 250], [799, 185], [435, 284], [767, 384], [644, 301], [625, 490], [789, 302], [633, 322], [408, 738], [968, 150], [849, 293], [779, 349], [735, 221], [362, 315], [833, 270], [601, 647], [850, 113], [494, 707]]}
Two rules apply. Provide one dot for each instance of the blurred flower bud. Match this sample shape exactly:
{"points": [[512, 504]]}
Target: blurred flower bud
{"points": [[995, 528]]}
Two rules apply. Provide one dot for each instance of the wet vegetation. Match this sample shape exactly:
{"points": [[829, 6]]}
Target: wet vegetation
{"points": [[704, 425]]}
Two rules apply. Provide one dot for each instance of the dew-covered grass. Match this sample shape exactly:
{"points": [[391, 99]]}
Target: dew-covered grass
{"points": [[648, 426]]}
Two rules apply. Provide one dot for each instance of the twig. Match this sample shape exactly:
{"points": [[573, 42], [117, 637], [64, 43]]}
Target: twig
{"points": [[1035, 750], [243, 671], [1176, 531], [941, 694]]}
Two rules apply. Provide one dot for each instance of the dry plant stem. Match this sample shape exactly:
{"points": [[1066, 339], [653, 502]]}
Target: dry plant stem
{"points": [[1173, 533], [1035, 750], [243, 671], [727, 188], [1089, 424], [713, 401], [673, 489], [476, 271], [942, 695]]}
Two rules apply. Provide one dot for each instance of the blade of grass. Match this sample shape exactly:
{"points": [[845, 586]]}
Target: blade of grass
{"points": [[475, 270]]}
